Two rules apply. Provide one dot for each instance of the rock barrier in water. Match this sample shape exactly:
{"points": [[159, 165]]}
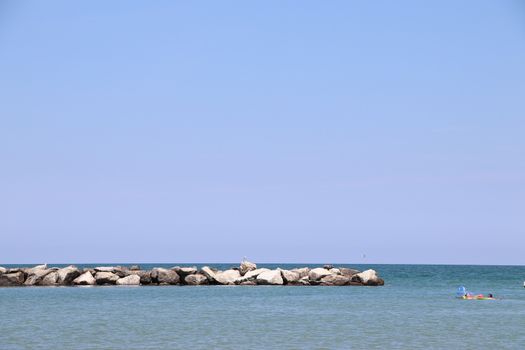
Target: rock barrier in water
{"points": [[247, 274]]}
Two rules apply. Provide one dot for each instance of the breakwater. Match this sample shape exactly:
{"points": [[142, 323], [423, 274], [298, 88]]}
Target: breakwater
{"points": [[245, 274]]}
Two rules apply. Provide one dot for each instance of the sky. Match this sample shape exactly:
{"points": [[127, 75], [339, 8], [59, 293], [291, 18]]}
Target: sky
{"points": [[283, 131]]}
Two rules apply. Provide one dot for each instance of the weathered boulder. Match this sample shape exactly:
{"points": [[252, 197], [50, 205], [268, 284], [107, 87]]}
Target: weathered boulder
{"points": [[131, 280], [36, 275], [3, 269], [254, 273], [272, 277], [328, 266], [227, 277], [51, 279], [117, 270], [303, 271], [85, 279], [185, 271], [348, 272], [106, 277], [335, 280], [246, 266], [66, 275], [145, 276], [209, 273], [11, 279], [318, 273], [290, 276], [196, 279], [134, 267], [335, 271], [164, 276], [369, 278]]}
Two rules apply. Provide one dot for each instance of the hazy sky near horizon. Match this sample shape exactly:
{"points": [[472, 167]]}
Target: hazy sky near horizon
{"points": [[170, 131]]}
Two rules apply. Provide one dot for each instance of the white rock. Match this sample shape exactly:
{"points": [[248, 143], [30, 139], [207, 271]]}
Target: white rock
{"points": [[290, 276], [369, 277], [303, 271], [318, 273], [227, 277], [131, 280], [270, 277], [246, 266], [85, 279], [209, 273], [255, 273]]}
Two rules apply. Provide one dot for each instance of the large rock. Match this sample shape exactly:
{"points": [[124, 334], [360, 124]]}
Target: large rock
{"points": [[290, 276], [3, 269], [335, 280], [66, 275], [131, 280], [145, 276], [272, 277], [36, 275], [11, 279], [85, 279], [106, 277], [227, 277], [246, 266], [51, 279], [254, 273], [196, 279], [369, 278], [134, 267], [164, 276], [117, 270], [348, 272], [318, 273], [185, 271], [209, 273], [303, 271], [335, 271]]}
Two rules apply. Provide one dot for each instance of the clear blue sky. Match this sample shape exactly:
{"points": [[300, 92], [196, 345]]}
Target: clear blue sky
{"points": [[284, 131]]}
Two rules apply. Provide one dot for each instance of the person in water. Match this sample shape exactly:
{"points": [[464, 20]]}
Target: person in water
{"points": [[490, 295]]}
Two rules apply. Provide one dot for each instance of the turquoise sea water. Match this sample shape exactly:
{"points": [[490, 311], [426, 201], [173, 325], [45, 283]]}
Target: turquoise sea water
{"points": [[416, 309]]}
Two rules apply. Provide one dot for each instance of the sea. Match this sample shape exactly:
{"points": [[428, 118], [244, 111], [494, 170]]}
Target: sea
{"points": [[415, 309]]}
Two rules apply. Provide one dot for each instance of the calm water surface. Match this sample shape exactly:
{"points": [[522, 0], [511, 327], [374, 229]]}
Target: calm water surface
{"points": [[416, 309]]}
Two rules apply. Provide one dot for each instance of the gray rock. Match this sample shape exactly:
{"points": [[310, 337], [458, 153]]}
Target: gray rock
{"points": [[248, 283], [117, 270], [290, 276], [11, 279], [318, 273], [131, 280], [227, 277], [106, 277], [335, 280], [145, 276], [50, 279], [164, 276], [328, 266], [272, 277], [246, 266], [85, 279], [66, 275], [134, 267], [36, 275], [348, 272], [196, 279], [185, 271]]}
